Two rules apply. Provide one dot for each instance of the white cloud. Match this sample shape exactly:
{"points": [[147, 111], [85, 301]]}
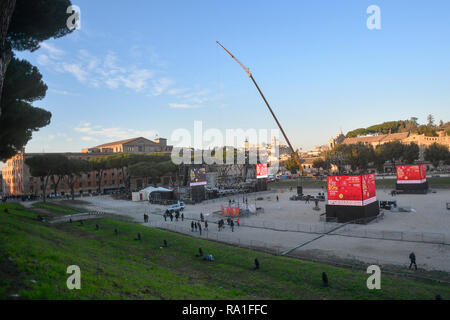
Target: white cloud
{"points": [[63, 92], [105, 71], [54, 52], [111, 72], [44, 60], [189, 98], [161, 85], [183, 106], [90, 132], [87, 138], [76, 70]]}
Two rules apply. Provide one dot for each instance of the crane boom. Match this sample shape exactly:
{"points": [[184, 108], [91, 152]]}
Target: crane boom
{"points": [[247, 71]]}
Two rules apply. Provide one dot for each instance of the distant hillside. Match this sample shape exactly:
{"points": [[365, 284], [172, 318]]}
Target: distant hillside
{"points": [[429, 129]]}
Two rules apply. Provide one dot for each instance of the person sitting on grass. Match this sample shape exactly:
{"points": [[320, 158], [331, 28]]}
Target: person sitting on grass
{"points": [[208, 257], [165, 244], [116, 232], [200, 253], [138, 237], [324, 280]]}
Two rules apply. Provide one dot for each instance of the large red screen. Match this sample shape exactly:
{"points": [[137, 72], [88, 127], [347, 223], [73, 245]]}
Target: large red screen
{"points": [[351, 190], [261, 170], [369, 190], [411, 174]]}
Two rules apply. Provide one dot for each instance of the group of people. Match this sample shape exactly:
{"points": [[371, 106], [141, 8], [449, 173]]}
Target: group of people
{"points": [[171, 216], [230, 222], [244, 200], [196, 225]]}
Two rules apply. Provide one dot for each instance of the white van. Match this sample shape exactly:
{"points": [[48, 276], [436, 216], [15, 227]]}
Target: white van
{"points": [[177, 207]]}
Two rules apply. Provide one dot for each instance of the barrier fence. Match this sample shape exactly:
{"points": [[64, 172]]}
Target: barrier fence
{"points": [[350, 230], [326, 257]]}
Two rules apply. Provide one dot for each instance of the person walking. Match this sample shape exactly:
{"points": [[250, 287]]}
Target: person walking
{"points": [[165, 216], [182, 216], [412, 258], [206, 225], [237, 222], [201, 217], [192, 226], [200, 228], [171, 217], [256, 264], [232, 225], [278, 199], [195, 226]]}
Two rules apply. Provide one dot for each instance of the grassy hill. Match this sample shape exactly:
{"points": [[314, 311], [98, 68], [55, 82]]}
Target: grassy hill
{"points": [[34, 256]]}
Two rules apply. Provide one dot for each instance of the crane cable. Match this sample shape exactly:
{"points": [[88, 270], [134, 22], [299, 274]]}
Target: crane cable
{"points": [[247, 71]]}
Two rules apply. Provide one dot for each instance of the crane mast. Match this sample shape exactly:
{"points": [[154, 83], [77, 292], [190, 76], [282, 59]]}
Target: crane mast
{"points": [[247, 71]]}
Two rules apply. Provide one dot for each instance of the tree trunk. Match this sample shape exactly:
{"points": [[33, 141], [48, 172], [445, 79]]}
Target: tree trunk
{"points": [[44, 191], [6, 11], [56, 184], [99, 181]]}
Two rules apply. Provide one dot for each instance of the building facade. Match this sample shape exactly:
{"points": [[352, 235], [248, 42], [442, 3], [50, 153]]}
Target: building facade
{"points": [[403, 137], [17, 180], [135, 145]]}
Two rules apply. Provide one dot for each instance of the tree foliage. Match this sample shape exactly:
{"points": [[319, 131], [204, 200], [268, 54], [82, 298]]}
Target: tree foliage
{"points": [[437, 153], [410, 125], [35, 21], [320, 163], [19, 119], [44, 166], [291, 165], [411, 152], [24, 25], [73, 170]]}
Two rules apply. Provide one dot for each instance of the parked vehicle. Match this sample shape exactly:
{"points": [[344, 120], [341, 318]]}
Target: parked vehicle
{"points": [[177, 207]]}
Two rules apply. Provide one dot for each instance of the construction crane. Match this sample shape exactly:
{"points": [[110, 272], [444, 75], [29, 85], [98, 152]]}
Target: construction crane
{"points": [[247, 71]]}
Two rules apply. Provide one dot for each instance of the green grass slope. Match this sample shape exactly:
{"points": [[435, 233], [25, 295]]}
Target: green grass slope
{"points": [[34, 257]]}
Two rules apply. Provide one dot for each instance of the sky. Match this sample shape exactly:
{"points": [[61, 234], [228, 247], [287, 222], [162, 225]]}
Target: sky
{"points": [[146, 68]]}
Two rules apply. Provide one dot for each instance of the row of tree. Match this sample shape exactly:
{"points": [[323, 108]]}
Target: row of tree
{"points": [[56, 168], [360, 156]]}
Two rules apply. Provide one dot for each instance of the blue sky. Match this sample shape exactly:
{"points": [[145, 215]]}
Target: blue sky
{"points": [[141, 68]]}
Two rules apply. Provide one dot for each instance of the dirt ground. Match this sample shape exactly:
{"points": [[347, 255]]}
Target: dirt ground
{"points": [[287, 224]]}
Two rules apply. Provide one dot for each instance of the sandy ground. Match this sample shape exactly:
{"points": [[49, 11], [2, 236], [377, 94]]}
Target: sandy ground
{"points": [[279, 226]]}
